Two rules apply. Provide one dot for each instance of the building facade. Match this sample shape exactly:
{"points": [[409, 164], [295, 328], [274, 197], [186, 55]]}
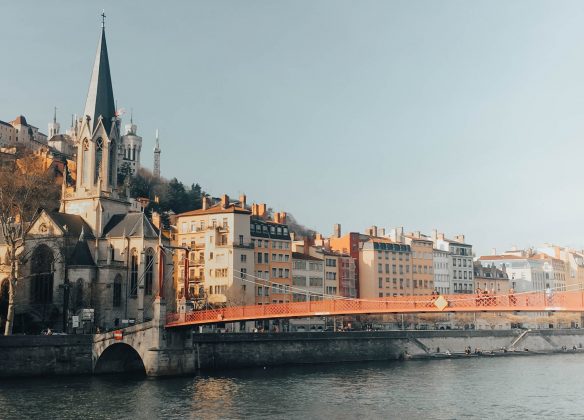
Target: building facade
{"points": [[220, 255]]}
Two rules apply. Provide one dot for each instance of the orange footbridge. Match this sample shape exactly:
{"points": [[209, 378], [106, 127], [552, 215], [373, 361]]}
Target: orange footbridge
{"points": [[571, 301]]}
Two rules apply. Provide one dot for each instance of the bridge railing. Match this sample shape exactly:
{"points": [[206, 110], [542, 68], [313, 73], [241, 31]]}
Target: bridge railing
{"points": [[533, 301]]}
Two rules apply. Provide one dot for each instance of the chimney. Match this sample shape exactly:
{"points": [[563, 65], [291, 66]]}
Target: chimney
{"points": [[318, 237], [262, 210], [418, 234], [307, 243], [242, 200], [459, 238], [293, 236], [156, 219], [400, 234], [382, 232], [224, 201], [205, 202], [254, 209], [434, 234], [283, 217], [276, 217], [337, 230], [374, 230], [493, 251]]}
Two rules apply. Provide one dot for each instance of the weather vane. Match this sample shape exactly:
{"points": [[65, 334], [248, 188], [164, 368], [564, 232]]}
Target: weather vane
{"points": [[103, 18]]}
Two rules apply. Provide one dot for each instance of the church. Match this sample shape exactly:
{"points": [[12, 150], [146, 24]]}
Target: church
{"points": [[98, 262]]}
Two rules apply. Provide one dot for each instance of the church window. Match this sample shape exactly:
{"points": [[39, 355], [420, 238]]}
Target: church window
{"points": [[42, 275], [134, 274], [117, 302], [148, 276], [98, 156]]}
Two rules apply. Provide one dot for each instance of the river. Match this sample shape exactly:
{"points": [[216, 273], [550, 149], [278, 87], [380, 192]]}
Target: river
{"points": [[547, 386]]}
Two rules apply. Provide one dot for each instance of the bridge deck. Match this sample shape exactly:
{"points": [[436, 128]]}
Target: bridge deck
{"points": [[572, 301]]}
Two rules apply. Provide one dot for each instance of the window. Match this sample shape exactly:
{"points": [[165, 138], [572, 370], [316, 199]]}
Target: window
{"points": [[266, 259], [274, 273], [117, 298], [149, 274], [259, 257], [331, 276], [387, 268], [243, 274], [134, 274], [380, 268], [243, 258], [299, 281], [42, 262], [380, 282], [315, 281]]}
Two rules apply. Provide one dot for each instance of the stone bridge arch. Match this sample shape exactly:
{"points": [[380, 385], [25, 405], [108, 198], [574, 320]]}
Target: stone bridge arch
{"points": [[117, 358]]}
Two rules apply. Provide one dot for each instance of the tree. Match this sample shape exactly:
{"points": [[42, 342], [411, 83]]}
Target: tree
{"points": [[27, 184]]}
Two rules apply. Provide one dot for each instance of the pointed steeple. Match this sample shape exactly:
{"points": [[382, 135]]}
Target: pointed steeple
{"points": [[100, 98]]}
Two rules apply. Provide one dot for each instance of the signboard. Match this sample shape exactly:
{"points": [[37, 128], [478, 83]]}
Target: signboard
{"points": [[118, 335], [75, 321]]}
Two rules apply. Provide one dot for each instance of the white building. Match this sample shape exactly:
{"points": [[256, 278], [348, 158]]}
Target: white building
{"points": [[442, 272], [525, 274], [461, 261]]}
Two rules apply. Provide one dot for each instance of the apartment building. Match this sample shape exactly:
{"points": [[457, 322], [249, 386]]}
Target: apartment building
{"points": [[490, 278], [384, 269], [442, 272], [460, 261], [307, 277], [525, 273], [220, 254], [273, 256], [339, 268], [422, 263]]}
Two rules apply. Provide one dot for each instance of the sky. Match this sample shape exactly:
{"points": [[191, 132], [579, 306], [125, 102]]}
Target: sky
{"points": [[466, 117]]}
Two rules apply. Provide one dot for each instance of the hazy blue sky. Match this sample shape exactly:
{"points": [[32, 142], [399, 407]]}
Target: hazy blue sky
{"points": [[464, 116]]}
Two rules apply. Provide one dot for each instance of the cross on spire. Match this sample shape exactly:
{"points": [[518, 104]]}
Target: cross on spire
{"points": [[103, 18]]}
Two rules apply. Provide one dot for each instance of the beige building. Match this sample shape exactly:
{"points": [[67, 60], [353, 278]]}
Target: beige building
{"points": [[221, 254], [19, 132], [384, 269], [422, 263]]}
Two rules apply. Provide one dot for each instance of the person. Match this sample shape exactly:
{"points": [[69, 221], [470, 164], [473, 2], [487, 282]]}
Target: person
{"points": [[49, 331], [549, 295]]}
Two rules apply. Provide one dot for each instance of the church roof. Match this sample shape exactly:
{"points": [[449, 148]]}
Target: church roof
{"points": [[131, 225], [72, 224], [100, 98], [81, 255]]}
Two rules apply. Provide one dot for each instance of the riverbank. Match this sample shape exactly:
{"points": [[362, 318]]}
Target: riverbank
{"points": [[185, 352]]}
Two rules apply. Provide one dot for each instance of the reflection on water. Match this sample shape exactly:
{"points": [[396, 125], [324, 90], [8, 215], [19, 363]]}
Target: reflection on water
{"points": [[517, 387]]}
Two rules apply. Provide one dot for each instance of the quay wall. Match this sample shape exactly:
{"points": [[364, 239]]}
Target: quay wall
{"points": [[223, 351], [184, 352], [39, 355]]}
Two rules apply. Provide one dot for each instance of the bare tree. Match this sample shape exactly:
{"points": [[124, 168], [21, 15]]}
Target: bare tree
{"points": [[27, 184]]}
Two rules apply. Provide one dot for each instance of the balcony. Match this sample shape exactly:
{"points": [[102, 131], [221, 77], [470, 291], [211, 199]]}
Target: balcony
{"points": [[248, 245], [197, 261]]}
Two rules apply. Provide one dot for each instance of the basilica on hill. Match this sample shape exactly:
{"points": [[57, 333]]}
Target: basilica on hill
{"points": [[96, 262]]}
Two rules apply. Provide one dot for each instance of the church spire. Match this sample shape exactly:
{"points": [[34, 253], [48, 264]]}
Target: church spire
{"points": [[100, 98]]}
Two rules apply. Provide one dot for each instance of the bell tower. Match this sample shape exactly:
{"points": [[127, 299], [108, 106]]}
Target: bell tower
{"points": [[97, 138]]}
